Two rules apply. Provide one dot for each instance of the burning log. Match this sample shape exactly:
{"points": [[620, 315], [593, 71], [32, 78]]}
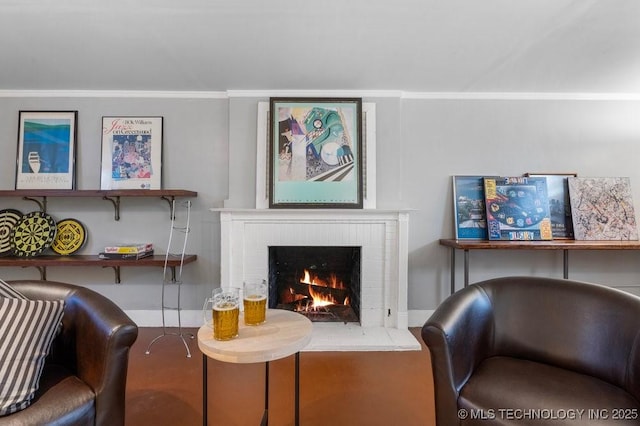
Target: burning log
{"points": [[338, 295]]}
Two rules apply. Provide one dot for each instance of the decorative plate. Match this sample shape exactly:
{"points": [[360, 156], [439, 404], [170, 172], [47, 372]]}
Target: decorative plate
{"points": [[33, 234], [70, 236], [8, 220]]}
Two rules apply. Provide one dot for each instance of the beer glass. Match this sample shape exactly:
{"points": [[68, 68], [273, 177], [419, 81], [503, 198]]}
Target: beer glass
{"points": [[221, 312], [254, 300]]}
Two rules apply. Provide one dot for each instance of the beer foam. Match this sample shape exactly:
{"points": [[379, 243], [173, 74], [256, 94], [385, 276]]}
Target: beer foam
{"points": [[225, 306], [255, 297]]}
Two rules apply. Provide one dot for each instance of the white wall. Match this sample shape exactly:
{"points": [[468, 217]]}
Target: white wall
{"points": [[210, 147]]}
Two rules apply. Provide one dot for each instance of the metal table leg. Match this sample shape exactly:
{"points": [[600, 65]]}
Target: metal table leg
{"points": [[265, 415], [466, 267], [204, 390], [297, 390], [453, 270]]}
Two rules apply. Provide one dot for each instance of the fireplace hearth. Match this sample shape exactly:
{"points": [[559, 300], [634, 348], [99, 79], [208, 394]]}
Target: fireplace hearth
{"points": [[382, 235], [322, 283]]}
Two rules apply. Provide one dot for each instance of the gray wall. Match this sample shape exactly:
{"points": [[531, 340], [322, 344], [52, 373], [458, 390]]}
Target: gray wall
{"points": [[210, 147]]}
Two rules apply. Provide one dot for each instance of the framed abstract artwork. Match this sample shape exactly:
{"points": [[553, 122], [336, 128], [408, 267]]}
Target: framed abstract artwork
{"points": [[315, 153], [131, 153], [46, 150], [602, 208]]}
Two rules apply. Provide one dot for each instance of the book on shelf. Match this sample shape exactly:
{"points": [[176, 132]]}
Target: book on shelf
{"points": [[125, 256], [129, 248], [517, 208]]}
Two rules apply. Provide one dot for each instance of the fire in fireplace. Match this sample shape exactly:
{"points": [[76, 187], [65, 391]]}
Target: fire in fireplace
{"points": [[322, 283]]}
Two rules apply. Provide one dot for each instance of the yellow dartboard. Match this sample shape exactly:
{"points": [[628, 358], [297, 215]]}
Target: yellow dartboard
{"points": [[70, 237], [33, 234]]}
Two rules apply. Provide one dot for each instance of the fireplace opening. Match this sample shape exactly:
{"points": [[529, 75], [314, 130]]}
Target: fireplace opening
{"points": [[322, 283]]}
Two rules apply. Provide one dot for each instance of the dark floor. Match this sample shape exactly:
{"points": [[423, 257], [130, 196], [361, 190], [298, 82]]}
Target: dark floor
{"points": [[336, 388]]}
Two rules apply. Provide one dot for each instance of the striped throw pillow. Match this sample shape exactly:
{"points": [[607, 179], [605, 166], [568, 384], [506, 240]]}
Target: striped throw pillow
{"points": [[27, 328], [7, 291]]}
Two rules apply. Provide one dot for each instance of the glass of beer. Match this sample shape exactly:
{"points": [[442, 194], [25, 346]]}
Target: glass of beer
{"points": [[225, 310], [254, 300]]}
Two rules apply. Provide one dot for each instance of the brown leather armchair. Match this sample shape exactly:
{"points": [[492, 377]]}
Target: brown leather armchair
{"points": [[543, 351], [84, 378]]}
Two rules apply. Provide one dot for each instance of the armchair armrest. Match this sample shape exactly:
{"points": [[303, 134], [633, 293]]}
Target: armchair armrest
{"points": [[103, 334], [458, 336], [94, 343]]}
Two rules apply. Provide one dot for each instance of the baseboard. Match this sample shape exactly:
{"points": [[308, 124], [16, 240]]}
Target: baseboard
{"points": [[193, 318]]}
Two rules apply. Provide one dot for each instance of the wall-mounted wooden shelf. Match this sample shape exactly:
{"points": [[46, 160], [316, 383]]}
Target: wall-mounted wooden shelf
{"points": [[42, 262], [40, 196]]}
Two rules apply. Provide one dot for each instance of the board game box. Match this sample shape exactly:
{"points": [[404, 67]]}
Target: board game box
{"points": [[517, 208]]}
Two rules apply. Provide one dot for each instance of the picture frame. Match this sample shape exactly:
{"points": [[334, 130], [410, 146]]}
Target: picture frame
{"points": [[315, 153], [559, 203], [131, 152], [469, 215], [46, 154], [603, 209]]}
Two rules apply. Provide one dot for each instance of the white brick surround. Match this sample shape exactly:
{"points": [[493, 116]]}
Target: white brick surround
{"points": [[247, 234]]}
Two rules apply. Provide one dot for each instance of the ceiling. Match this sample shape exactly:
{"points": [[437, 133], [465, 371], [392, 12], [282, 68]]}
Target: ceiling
{"points": [[585, 46]]}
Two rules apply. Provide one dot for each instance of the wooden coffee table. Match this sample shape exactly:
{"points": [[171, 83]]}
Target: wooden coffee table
{"points": [[283, 334]]}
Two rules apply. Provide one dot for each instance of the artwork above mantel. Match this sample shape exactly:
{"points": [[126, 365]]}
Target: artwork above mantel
{"points": [[369, 156]]}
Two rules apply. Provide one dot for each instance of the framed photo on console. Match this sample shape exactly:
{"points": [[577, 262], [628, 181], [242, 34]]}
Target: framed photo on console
{"points": [[559, 204], [46, 150], [131, 153], [315, 153]]}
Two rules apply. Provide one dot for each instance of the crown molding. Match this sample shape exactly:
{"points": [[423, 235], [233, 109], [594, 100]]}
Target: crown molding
{"points": [[153, 94], [315, 93], [490, 96], [522, 96]]}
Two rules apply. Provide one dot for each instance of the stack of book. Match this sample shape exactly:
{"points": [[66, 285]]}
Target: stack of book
{"points": [[132, 251]]}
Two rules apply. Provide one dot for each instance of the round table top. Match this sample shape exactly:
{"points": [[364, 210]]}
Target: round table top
{"points": [[283, 333]]}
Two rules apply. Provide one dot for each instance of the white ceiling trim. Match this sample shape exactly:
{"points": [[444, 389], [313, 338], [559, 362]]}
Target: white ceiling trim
{"points": [[111, 94], [524, 96]]}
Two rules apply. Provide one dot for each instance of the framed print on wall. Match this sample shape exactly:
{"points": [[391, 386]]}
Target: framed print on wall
{"points": [[131, 153], [315, 153], [46, 150]]}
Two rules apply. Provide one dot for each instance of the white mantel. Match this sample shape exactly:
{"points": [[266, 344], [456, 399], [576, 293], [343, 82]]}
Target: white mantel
{"points": [[247, 234]]}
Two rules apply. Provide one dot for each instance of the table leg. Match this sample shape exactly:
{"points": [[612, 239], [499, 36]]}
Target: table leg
{"points": [[453, 270], [565, 264], [297, 390], [466, 267], [204, 390], [265, 415]]}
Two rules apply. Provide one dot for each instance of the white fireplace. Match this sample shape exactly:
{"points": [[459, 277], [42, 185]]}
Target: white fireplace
{"points": [[382, 235]]}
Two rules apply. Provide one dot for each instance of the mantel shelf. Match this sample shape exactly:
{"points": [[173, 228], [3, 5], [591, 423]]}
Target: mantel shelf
{"points": [[110, 195], [42, 262]]}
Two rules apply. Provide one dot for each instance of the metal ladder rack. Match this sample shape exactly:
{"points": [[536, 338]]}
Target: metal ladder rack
{"points": [[171, 278]]}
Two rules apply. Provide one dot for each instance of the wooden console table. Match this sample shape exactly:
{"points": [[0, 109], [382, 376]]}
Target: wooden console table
{"points": [[564, 245]]}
